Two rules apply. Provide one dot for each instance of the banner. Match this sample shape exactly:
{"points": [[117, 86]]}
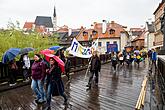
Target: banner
{"points": [[112, 48], [76, 49]]}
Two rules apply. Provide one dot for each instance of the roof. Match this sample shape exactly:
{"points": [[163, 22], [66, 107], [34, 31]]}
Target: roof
{"points": [[64, 35], [150, 27], [160, 5], [44, 21], [98, 29], [117, 27], [65, 28], [54, 13], [82, 37], [141, 37], [28, 25], [136, 31]]}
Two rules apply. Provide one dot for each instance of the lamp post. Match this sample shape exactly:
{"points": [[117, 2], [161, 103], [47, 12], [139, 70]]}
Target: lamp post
{"points": [[162, 19]]}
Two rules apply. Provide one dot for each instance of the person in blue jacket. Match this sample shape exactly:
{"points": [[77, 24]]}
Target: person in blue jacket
{"points": [[154, 58]]}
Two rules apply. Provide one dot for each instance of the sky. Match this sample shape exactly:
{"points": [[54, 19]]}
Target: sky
{"points": [[77, 13]]}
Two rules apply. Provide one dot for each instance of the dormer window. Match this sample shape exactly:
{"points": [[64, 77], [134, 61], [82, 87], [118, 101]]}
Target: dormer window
{"points": [[94, 32], [85, 33], [111, 31]]}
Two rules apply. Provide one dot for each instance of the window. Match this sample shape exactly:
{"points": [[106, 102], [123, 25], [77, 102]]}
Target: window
{"points": [[99, 44], [114, 42], [94, 32], [85, 33], [111, 31]]}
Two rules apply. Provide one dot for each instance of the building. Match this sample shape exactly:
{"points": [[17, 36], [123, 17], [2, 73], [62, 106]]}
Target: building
{"points": [[149, 35], [54, 20], [138, 42], [114, 34], [65, 37], [158, 40], [85, 37], [28, 27], [135, 32], [43, 24]]}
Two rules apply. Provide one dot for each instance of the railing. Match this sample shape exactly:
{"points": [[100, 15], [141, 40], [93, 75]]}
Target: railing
{"points": [[75, 63], [161, 77], [140, 101]]}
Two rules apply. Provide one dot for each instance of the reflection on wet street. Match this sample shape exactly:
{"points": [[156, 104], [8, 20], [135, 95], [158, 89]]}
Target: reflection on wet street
{"points": [[116, 91]]}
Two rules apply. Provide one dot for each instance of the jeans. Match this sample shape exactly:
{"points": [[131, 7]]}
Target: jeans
{"points": [[38, 87], [25, 73], [91, 77], [50, 91]]}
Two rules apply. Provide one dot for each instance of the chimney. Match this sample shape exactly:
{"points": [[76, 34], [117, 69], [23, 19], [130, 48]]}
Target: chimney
{"points": [[112, 22], [82, 27], [94, 25], [104, 26]]}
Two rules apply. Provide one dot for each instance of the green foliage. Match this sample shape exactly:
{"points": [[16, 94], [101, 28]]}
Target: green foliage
{"points": [[13, 38]]}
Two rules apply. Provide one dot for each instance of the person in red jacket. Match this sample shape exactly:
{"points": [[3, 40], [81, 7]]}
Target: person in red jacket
{"points": [[38, 76]]}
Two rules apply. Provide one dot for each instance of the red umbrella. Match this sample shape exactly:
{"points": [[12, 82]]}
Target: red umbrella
{"points": [[60, 62], [47, 51]]}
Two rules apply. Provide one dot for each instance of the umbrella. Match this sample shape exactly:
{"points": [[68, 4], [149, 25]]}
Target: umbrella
{"points": [[136, 51], [47, 51], [26, 50], [60, 62], [55, 48], [10, 54]]}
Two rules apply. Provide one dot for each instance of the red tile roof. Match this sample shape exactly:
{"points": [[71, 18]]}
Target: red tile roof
{"points": [[81, 37], [98, 28], [141, 37], [28, 25], [65, 28], [136, 29], [117, 27]]}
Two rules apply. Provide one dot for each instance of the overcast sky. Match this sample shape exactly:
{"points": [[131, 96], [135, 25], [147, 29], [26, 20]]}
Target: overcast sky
{"points": [[76, 13]]}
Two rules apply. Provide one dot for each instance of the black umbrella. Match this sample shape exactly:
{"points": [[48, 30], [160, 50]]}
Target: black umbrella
{"points": [[26, 50]]}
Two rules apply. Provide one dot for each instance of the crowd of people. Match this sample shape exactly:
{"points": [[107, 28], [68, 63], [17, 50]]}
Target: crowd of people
{"points": [[137, 56], [46, 78]]}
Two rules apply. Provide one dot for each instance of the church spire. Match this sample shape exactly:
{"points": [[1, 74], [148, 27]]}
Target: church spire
{"points": [[54, 20], [54, 14]]}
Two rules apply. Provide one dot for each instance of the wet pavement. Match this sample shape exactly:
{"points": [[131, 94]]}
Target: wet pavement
{"points": [[115, 91]]}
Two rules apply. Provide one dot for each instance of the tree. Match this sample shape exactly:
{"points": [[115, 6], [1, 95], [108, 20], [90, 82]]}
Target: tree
{"points": [[14, 38]]}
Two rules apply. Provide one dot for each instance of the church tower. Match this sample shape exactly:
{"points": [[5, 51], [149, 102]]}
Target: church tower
{"points": [[54, 20]]}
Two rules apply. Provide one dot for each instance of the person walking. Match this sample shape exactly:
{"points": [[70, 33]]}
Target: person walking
{"points": [[55, 86], [25, 61], [150, 57], [38, 76], [114, 60], [154, 58], [121, 59], [67, 67], [62, 56], [13, 69], [95, 67]]}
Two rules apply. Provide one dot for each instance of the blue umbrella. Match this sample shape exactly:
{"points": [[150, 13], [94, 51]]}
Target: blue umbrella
{"points": [[10, 54], [55, 48], [26, 50]]}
